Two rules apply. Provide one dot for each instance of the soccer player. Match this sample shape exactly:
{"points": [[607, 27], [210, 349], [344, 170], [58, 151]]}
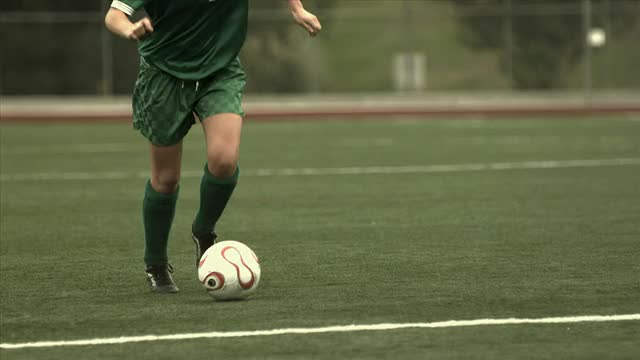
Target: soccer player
{"points": [[189, 68]]}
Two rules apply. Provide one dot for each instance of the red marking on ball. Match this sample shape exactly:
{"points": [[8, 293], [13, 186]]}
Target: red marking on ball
{"points": [[218, 276], [243, 285], [203, 260]]}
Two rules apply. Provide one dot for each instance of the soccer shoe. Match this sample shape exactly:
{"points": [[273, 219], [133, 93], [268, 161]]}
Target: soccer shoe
{"points": [[160, 280], [202, 244]]}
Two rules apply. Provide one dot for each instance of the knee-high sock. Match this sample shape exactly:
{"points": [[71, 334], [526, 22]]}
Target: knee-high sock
{"points": [[214, 196], [158, 211]]}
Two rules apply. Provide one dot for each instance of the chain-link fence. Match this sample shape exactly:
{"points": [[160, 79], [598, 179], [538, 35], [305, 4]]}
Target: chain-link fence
{"points": [[62, 47]]}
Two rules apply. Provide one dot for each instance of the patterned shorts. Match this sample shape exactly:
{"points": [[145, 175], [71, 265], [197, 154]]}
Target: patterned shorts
{"points": [[164, 106]]}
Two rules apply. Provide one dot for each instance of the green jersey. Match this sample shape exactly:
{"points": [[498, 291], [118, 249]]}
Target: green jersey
{"points": [[192, 39]]}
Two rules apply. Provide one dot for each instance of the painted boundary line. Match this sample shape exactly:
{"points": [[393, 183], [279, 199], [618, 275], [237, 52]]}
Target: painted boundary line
{"points": [[358, 170], [320, 330]]}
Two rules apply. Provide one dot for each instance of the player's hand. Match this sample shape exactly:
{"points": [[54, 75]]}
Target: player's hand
{"points": [[307, 20], [140, 29]]}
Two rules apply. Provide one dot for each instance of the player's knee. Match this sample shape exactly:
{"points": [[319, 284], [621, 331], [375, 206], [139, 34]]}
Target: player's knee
{"points": [[165, 183], [222, 165]]}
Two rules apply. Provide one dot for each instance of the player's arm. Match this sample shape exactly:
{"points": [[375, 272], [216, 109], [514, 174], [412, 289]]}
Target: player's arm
{"points": [[304, 18], [118, 23]]}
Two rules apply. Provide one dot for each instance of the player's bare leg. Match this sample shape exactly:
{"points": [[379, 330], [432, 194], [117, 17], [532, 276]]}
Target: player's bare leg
{"points": [[159, 206], [222, 133], [166, 164]]}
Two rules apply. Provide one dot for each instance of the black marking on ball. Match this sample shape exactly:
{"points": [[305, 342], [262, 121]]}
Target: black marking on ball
{"points": [[212, 283]]}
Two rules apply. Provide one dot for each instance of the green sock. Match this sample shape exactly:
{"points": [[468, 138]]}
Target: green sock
{"points": [[214, 195], [157, 212]]}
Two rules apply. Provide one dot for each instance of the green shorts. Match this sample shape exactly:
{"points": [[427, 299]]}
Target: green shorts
{"points": [[164, 106]]}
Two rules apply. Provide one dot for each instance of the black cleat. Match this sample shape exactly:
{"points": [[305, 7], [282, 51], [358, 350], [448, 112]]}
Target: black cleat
{"points": [[159, 279], [202, 244]]}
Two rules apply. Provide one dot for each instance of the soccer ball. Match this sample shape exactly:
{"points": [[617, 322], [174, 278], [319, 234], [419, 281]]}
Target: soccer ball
{"points": [[229, 270]]}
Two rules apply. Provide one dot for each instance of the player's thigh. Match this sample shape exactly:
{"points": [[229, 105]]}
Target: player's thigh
{"points": [[222, 133], [220, 109], [166, 164]]}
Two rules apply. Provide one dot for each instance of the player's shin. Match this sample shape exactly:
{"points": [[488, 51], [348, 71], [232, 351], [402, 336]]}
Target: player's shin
{"points": [[158, 211], [214, 196]]}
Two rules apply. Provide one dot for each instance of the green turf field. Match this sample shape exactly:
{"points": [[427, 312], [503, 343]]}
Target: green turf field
{"points": [[362, 245]]}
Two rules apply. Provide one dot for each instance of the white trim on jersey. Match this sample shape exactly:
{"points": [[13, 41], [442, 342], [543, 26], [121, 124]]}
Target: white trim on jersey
{"points": [[122, 7]]}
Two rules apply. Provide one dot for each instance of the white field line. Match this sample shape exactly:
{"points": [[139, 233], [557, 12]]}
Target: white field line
{"points": [[319, 330], [71, 149], [83, 149], [135, 147], [358, 170]]}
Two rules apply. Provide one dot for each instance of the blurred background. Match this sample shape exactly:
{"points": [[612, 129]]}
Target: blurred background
{"points": [[368, 46]]}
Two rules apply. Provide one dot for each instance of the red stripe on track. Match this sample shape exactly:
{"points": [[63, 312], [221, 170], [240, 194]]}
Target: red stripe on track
{"points": [[353, 113]]}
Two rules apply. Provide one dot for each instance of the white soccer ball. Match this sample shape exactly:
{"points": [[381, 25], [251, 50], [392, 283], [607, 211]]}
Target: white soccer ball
{"points": [[229, 270]]}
